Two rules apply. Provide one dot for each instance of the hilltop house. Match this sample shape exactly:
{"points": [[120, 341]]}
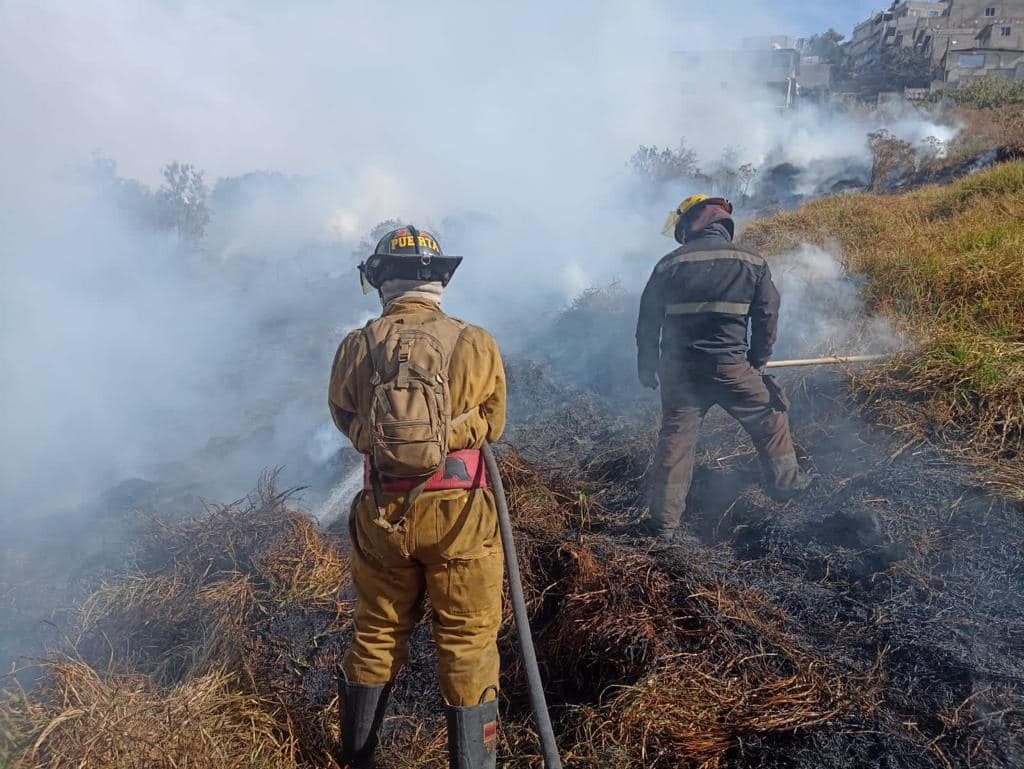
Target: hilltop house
{"points": [[963, 40]]}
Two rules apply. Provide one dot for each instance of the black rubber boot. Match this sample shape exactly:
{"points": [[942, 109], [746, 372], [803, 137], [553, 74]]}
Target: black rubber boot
{"points": [[473, 736], [360, 723], [786, 478], [648, 527]]}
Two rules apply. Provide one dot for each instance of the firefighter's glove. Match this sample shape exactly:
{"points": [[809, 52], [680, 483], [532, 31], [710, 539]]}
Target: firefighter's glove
{"points": [[757, 363], [778, 399], [649, 378]]}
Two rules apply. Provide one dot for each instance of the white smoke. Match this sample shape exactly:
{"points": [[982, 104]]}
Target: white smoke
{"points": [[506, 128], [822, 311]]}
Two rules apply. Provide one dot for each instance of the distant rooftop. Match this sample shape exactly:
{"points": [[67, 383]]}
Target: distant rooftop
{"points": [[770, 42]]}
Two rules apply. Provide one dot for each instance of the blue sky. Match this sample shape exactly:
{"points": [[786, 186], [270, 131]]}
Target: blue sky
{"points": [[807, 16], [739, 18]]}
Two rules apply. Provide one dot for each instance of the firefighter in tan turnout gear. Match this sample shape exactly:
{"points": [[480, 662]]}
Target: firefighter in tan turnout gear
{"points": [[707, 325], [418, 393]]}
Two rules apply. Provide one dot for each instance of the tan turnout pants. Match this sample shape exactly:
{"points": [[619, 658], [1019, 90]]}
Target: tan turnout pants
{"points": [[688, 390], [449, 549]]}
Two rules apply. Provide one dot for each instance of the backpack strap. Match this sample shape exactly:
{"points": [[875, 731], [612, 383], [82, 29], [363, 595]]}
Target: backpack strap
{"points": [[368, 338], [378, 498], [450, 341], [463, 417], [404, 353]]}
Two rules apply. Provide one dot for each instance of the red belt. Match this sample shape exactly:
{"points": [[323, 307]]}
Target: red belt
{"points": [[461, 470]]}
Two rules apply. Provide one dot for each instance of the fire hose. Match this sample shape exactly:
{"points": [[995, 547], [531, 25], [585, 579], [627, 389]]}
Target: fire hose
{"points": [[538, 702], [515, 588]]}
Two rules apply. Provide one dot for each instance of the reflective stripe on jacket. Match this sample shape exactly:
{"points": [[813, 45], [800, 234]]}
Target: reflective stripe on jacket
{"points": [[699, 301]]}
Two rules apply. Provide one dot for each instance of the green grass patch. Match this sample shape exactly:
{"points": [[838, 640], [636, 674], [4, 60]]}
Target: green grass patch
{"points": [[989, 93], [947, 264]]}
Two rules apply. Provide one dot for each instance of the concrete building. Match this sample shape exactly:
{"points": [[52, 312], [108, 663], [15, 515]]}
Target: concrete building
{"points": [[965, 40], [814, 79], [776, 70], [985, 38], [963, 66], [897, 27]]}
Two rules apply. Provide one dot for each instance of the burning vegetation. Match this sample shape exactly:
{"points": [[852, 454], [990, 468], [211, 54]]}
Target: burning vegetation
{"points": [[874, 621]]}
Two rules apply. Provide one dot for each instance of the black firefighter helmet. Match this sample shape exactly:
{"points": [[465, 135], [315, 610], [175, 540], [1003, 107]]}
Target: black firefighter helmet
{"points": [[407, 254]]}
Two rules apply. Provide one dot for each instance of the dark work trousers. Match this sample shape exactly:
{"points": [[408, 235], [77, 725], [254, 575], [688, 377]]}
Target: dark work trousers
{"points": [[688, 390]]}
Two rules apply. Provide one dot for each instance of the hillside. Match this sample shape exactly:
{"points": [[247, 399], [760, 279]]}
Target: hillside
{"points": [[948, 263], [873, 622]]}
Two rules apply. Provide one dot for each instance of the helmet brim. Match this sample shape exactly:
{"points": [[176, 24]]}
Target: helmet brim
{"points": [[380, 268]]}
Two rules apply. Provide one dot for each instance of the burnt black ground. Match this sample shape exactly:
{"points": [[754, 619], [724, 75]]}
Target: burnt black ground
{"points": [[898, 559], [897, 566], [898, 569]]}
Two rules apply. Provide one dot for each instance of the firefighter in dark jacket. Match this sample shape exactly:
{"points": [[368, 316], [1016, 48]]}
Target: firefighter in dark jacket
{"points": [[692, 337]]}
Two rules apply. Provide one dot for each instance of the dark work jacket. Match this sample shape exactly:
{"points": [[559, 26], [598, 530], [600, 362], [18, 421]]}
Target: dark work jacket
{"points": [[699, 302]]}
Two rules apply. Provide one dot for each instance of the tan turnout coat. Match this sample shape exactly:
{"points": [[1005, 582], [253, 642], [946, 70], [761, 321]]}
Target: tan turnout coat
{"points": [[448, 546]]}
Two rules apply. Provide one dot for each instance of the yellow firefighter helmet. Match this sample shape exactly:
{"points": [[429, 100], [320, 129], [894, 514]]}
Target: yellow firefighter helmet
{"points": [[687, 207]]}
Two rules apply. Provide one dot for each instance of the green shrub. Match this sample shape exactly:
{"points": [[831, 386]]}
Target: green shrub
{"points": [[990, 93]]}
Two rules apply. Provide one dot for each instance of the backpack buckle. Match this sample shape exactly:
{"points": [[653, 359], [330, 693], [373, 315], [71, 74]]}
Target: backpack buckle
{"points": [[404, 354]]}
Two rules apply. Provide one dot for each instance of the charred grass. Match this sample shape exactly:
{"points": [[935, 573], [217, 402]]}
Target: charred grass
{"points": [[220, 648], [190, 659], [947, 263], [874, 623]]}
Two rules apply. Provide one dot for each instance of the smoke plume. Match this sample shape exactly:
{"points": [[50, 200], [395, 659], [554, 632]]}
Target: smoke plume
{"points": [[142, 341]]}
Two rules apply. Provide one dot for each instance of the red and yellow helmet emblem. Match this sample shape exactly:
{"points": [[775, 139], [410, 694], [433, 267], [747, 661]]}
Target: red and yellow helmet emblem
{"points": [[404, 239]]}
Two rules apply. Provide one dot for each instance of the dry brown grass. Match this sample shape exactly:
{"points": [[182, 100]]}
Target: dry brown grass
{"points": [[205, 655], [678, 664], [219, 649], [993, 114], [79, 718], [947, 263], [683, 715], [708, 665], [198, 637], [185, 607], [1001, 126]]}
